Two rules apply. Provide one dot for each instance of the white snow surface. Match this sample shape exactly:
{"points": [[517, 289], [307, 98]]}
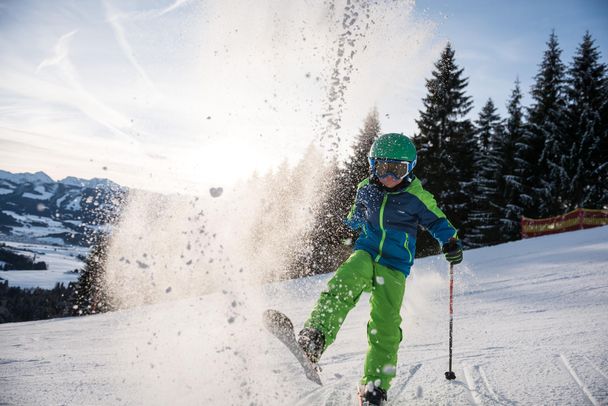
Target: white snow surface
{"points": [[530, 328], [75, 204], [29, 231], [41, 193], [38, 177], [61, 262]]}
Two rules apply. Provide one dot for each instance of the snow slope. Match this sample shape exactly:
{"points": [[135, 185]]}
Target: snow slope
{"points": [[530, 329], [61, 262]]}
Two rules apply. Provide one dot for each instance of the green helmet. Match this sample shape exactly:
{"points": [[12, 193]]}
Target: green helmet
{"points": [[393, 146]]}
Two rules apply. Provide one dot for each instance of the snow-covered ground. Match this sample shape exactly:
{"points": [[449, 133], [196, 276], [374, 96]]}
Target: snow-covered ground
{"points": [[61, 262], [531, 328], [44, 226]]}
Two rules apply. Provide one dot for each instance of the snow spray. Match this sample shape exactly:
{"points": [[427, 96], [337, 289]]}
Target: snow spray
{"points": [[290, 77]]}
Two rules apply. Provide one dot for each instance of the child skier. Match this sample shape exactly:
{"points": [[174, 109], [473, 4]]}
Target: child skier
{"points": [[388, 208]]}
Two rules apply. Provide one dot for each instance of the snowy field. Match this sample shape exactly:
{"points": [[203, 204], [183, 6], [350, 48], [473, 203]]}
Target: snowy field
{"points": [[531, 328], [61, 262], [44, 227]]}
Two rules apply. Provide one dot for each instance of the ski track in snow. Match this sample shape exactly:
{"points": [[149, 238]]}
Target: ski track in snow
{"points": [[529, 329], [481, 390], [596, 395]]}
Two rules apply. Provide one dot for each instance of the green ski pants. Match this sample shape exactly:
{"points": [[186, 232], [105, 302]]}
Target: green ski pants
{"points": [[358, 274]]}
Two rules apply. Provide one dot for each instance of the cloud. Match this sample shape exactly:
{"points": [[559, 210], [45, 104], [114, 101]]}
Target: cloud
{"points": [[74, 94], [149, 14], [61, 52], [113, 18], [174, 6]]}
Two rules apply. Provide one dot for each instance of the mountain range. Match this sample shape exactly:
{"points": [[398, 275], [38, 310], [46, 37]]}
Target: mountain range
{"points": [[36, 208]]}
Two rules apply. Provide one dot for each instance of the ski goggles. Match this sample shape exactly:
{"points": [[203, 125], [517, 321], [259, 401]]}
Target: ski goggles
{"points": [[383, 168]]}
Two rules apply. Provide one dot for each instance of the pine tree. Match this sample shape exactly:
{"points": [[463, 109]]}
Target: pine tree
{"points": [[92, 296], [586, 161], [357, 165], [326, 238], [544, 140], [445, 141], [484, 225], [509, 184]]}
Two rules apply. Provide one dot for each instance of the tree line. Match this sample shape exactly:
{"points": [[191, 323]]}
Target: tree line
{"points": [[86, 296], [10, 260], [540, 160]]}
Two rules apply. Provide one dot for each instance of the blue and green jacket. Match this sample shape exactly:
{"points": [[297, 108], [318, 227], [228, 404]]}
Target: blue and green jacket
{"points": [[388, 221]]}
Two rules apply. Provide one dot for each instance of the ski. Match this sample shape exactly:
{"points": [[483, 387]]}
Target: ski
{"points": [[280, 326]]}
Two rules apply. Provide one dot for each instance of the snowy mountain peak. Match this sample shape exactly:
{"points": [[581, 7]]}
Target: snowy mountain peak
{"points": [[33, 207], [90, 183], [74, 181], [26, 177]]}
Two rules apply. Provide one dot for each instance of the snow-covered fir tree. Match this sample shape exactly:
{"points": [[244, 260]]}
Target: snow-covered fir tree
{"points": [[544, 140], [509, 184], [445, 141], [357, 165], [325, 240], [587, 158], [91, 294], [484, 216]]}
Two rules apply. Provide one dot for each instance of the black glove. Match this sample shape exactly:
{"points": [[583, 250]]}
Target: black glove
{"points": [[453, 251]]}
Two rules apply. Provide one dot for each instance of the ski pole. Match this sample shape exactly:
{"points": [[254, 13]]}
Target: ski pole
{"points": [[449, 375]]}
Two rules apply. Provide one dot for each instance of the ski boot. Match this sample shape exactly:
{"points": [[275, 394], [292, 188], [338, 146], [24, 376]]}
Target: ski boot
{"points": [[312, 342], [370, 395]]}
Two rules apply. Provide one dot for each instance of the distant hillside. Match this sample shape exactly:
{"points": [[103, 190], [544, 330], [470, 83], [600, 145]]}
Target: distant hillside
{"points": [[35, 208]]}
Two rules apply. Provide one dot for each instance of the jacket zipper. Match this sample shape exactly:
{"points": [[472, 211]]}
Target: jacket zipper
{"points": [[407, 239]]}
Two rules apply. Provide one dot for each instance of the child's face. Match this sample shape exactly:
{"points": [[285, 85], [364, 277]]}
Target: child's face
{"points": [[389, 181]]}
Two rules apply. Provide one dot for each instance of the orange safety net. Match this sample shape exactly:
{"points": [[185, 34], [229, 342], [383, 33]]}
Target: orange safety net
{"points": [[575, 220]]}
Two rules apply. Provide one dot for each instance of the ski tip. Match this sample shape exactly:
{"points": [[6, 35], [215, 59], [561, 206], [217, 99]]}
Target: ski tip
{"points": [[315, 378], [268, 313], [269, 317], [274, 318]]}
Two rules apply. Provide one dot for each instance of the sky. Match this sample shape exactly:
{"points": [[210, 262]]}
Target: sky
{"points": [[499, 41], [183, 95]]}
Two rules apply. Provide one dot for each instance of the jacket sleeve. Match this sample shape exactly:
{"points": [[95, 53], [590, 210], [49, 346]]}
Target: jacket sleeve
{"points": [[356, 216], [433, 219]]}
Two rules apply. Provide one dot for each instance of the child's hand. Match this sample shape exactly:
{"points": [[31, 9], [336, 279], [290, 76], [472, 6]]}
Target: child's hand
{"points": [[453, 251]]}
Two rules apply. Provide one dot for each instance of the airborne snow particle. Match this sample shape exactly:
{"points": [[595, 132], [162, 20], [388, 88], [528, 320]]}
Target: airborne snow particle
{"points": [[389, 369], [142, 265], [379, 280], [216, 191]]}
